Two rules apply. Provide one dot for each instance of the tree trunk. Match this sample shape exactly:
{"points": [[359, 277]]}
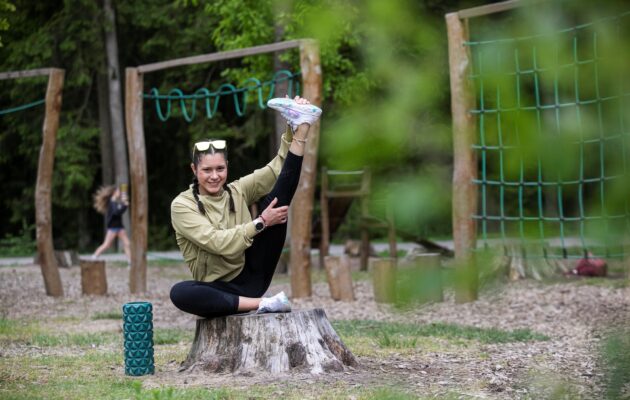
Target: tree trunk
{"points": [[105, 138], [115, 99], [43, 187], [301, 341], [302, 209]]}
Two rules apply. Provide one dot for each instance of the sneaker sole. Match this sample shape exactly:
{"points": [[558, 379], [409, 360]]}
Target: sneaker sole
{"points": [[292, 108]]}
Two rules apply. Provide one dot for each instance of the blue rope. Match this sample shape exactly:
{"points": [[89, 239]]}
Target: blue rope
{"points": [[211, 99], [22, 107]]}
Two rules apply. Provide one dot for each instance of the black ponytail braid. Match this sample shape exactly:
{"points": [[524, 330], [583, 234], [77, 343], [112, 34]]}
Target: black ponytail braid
{"points": [[227, 188], [202, 209]]}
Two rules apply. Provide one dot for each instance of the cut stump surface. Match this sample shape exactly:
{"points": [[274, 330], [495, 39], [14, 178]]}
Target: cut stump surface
{"points": [[299, 341]]}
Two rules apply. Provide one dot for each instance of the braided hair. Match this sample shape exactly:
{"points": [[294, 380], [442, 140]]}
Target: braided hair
{"points": [[196, 158]]}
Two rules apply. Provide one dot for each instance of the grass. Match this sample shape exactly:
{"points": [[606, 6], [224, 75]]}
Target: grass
{"points": [[117, 315], [33, 334], [403, 335]]}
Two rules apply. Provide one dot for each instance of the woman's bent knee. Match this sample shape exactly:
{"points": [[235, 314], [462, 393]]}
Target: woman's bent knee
{"points": [[179, 293]]}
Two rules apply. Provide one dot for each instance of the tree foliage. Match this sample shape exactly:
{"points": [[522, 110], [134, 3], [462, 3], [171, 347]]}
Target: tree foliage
{"points": [[374, 57]]}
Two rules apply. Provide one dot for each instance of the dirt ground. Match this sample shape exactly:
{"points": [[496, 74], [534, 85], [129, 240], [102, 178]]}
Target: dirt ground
{"points": [[575, 315]]}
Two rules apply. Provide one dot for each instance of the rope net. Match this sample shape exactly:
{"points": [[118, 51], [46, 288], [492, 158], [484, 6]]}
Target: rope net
{"points": [[553, 121], [209, 100]]}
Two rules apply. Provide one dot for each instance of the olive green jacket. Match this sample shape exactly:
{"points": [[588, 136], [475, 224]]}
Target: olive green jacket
{"points": [[213, 245]]}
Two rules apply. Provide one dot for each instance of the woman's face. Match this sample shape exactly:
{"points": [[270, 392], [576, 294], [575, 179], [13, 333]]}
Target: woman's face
{"points": [[211, 173]]}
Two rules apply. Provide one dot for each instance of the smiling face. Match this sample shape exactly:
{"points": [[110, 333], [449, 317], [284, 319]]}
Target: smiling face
{"points": [[211, 172]]}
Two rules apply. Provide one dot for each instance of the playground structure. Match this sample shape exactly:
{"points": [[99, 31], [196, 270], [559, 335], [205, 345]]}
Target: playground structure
{"points": [[303, 201], [485, 136], [335, 200], [43, 213]]}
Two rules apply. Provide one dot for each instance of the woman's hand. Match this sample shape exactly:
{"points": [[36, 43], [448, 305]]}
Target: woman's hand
{"points": [[274, 216], [300, 100]]}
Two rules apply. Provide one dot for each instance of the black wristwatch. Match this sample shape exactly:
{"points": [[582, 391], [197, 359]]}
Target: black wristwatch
{"points": [[259, 224]]}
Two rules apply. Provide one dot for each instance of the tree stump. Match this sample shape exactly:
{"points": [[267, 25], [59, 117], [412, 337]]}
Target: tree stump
{"points": [[93, 277], [383, 279], [300, 341], [339, 277]]}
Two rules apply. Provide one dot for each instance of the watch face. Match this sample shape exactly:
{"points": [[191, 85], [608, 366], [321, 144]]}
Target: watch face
{"points": [[259, 226]]}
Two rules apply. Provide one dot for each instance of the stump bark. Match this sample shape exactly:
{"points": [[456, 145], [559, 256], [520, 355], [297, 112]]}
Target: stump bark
{"points": [[300, 341], [339, 277], [383, 279], [93, 277]]}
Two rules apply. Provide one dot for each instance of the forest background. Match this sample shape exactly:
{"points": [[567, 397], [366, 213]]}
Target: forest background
{"points": [[386, 100]]}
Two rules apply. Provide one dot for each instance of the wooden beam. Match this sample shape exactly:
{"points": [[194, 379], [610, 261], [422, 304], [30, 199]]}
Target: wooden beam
{"points": [[223, 55], [324, 242], [43, 188], [302, 208], [495, 8], [138, 174], [27, 73], [465, 160]]}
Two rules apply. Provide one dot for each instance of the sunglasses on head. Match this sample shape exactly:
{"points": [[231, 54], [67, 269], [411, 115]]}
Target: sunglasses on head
{"points": [[205, 145]]}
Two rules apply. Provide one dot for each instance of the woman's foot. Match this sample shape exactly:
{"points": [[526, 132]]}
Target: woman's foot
{"points": [[296, 111], [276, 304]]}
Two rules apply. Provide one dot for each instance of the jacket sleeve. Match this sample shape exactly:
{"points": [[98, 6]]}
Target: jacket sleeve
{"points": [[261, 181], [197, 228]]}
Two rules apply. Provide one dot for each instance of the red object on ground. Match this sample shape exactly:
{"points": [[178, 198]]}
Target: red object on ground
{"points": [[590, 267]]}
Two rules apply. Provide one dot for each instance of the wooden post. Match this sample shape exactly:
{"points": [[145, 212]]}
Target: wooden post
{"points": [[383, 279], [324, 243], [93, 277], [302, 208], [465, 160], [391, 231], [339, 277], [43, 214], [430, 270], [138, 186]]}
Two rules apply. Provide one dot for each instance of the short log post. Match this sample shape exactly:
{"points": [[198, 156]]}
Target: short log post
{"points": [[383, 279], [430, 273], [299, 341], [339, 277], [93, 277]]}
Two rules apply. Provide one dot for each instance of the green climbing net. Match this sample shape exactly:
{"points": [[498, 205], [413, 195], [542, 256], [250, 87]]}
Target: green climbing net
{"points": [[209, 100], [552, 113]]}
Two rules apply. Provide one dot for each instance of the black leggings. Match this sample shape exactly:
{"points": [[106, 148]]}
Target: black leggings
{"points": [[218, 298]]}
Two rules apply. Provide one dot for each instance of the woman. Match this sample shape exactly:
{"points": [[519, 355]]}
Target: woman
{"points": [[111, 201], [232, 256]]}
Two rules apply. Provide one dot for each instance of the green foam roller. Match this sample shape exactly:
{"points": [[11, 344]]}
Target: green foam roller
{"points": [[139, 371], [138, 333], [138, 327], [139, 362], [138, 344], [138, 318], [139, 336], [137, 307], [139, 353]]}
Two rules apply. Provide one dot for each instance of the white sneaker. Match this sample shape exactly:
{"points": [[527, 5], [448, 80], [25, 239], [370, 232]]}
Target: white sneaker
{"points": [[276, 304], [295, 113]]}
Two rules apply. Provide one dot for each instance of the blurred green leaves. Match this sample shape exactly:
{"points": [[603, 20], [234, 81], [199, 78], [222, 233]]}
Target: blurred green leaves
{"points": [[5, 7]]}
